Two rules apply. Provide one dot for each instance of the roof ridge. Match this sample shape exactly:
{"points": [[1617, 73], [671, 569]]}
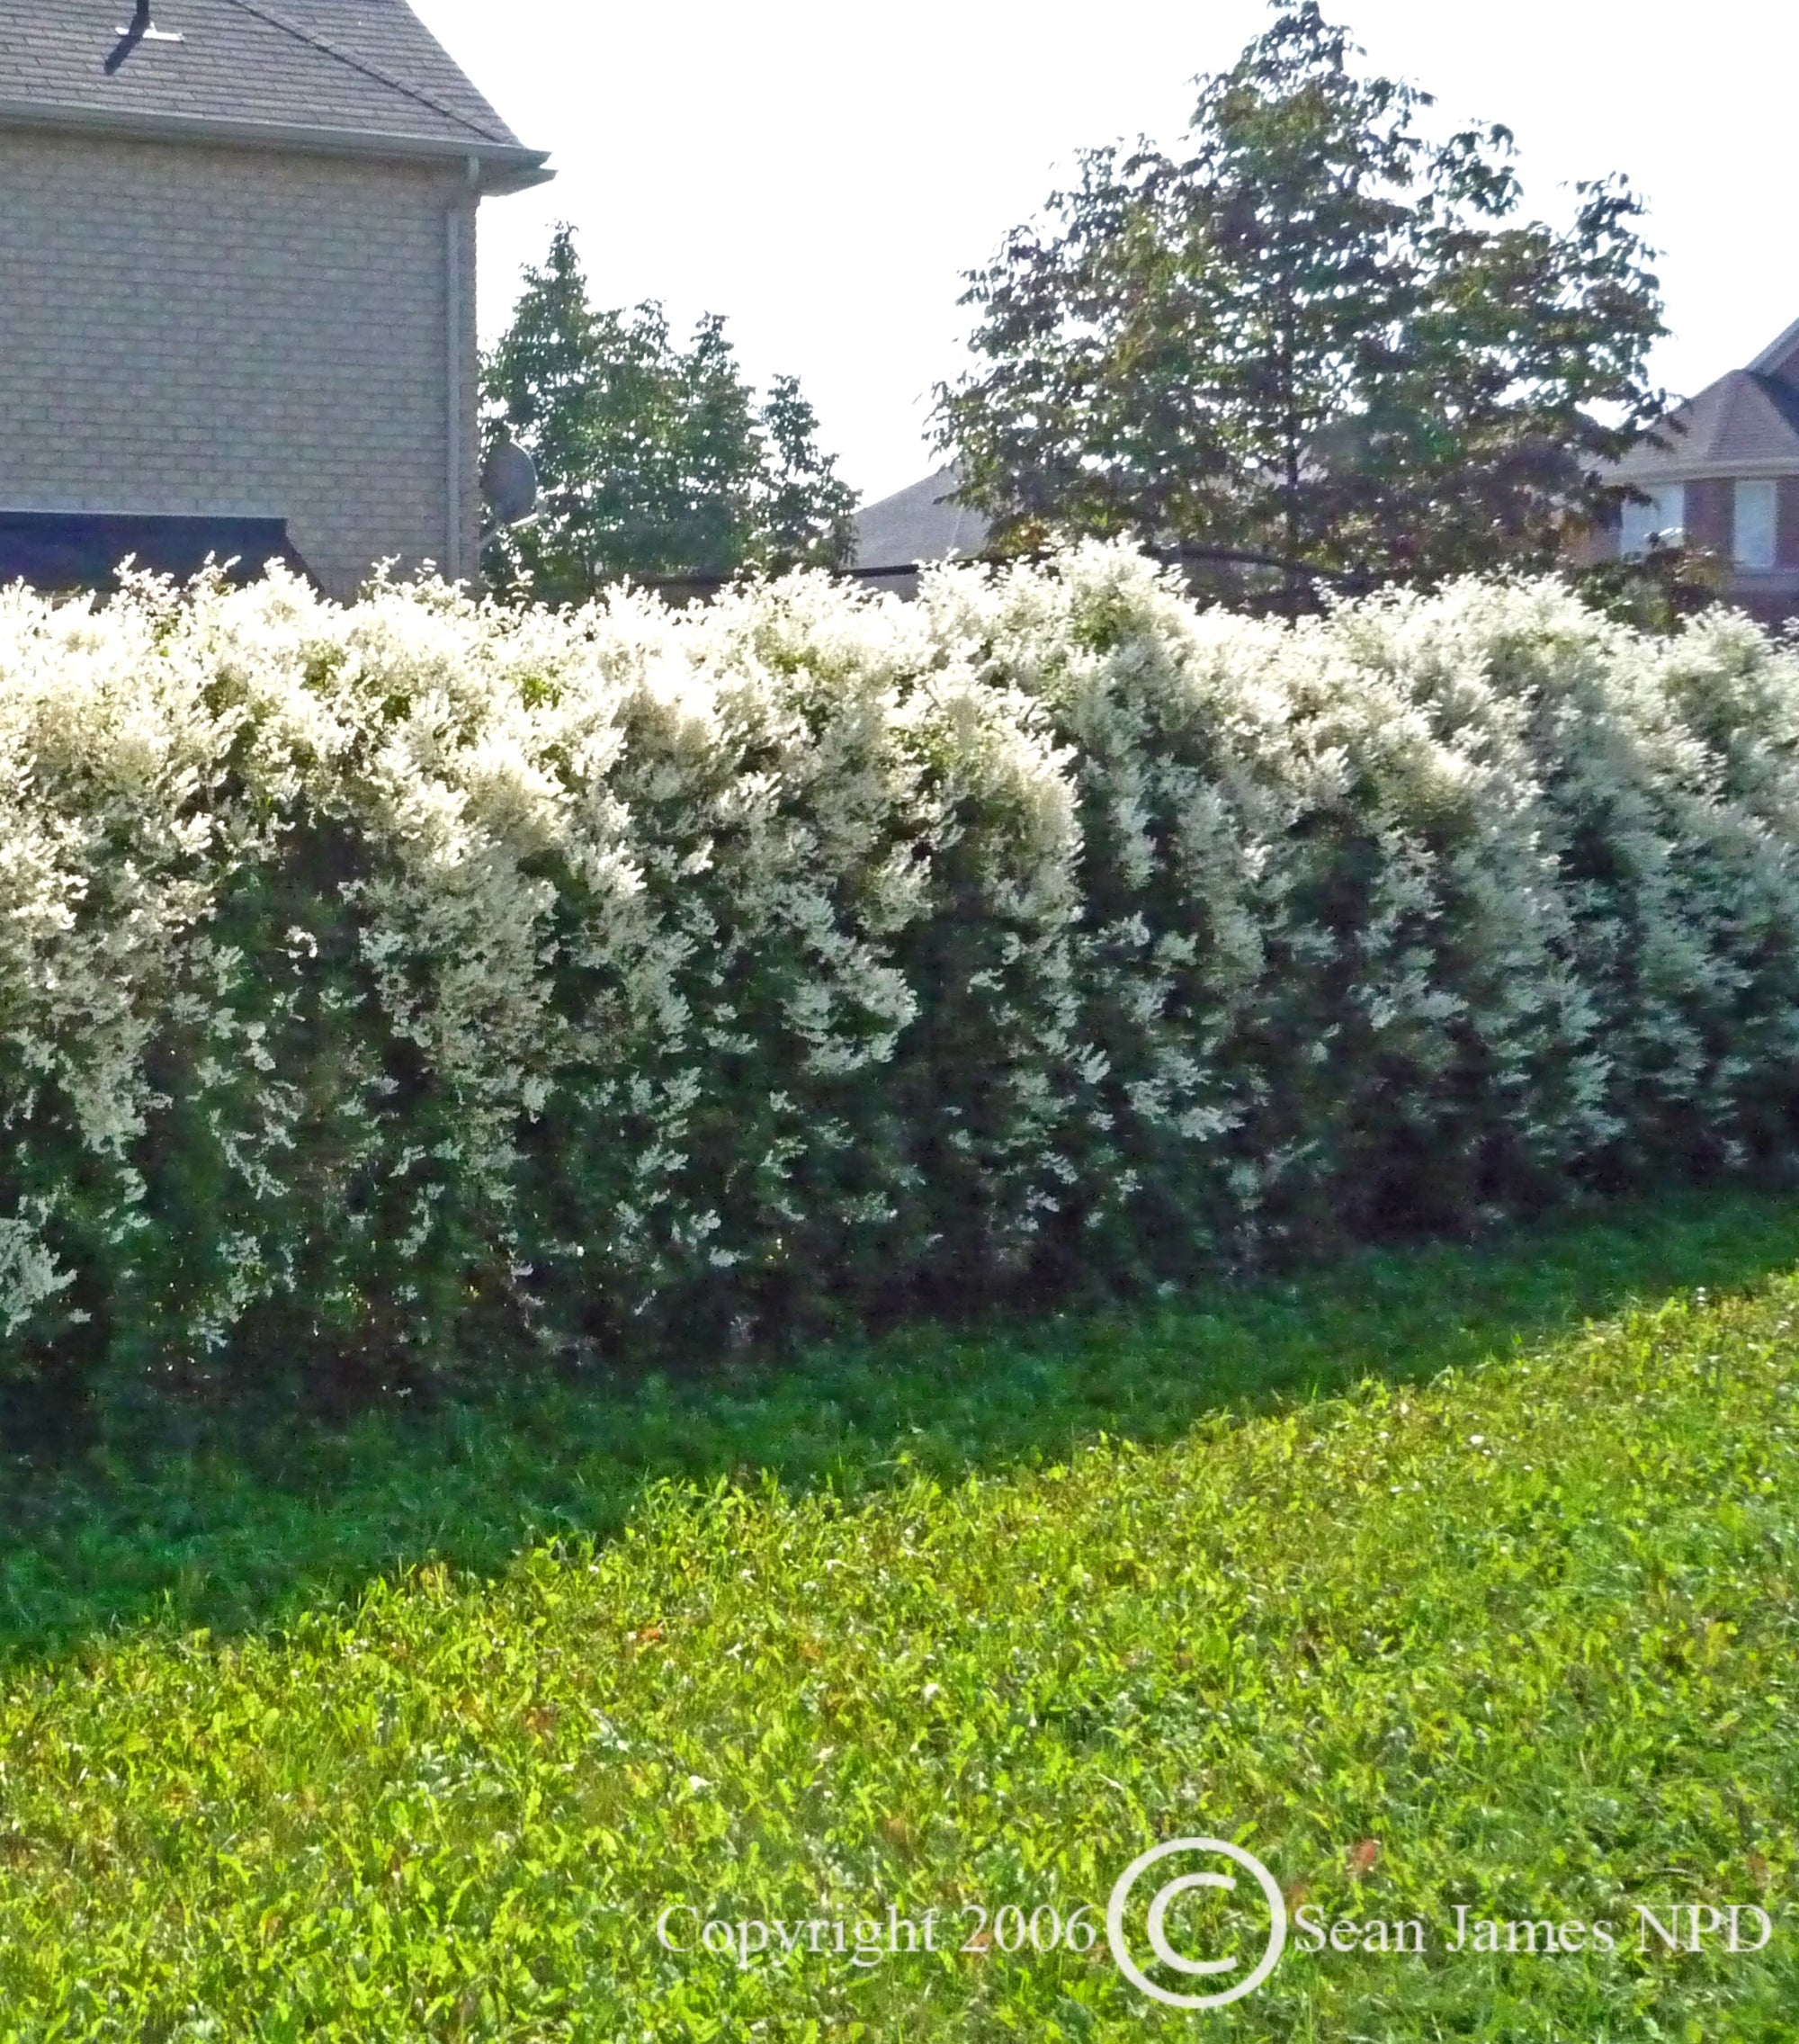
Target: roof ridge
{"points": [[1776, 351], [268, 14]]}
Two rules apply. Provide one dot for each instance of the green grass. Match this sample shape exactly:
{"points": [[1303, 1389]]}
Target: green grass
{"points": [[235, 1525], [1400, 1574]]}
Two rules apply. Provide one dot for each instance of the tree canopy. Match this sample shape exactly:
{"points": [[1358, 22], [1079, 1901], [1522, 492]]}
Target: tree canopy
{"points": [[1316, 333], [652, 460]]}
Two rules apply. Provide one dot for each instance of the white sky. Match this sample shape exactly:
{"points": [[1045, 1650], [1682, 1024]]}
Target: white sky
{"points": [[822, 174]]}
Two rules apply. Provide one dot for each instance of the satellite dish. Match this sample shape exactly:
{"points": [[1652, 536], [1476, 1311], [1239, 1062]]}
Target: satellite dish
{"points": [[509, 481]]}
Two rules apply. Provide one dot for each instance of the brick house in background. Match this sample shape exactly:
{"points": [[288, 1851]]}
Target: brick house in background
{"points": [[237, 286], [1729, 482]]}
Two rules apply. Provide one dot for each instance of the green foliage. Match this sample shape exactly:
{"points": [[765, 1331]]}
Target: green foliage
{"points": [[1314, 335], [1517, 1637], [1658, 589], [651, 460], [393, 989]]}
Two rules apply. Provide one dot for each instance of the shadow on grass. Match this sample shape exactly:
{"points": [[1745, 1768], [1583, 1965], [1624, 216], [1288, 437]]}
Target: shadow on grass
{"points": [[241, 1534]]}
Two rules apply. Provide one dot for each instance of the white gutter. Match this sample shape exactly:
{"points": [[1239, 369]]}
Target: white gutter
{"points": [[505, 166], [1696, 468]]}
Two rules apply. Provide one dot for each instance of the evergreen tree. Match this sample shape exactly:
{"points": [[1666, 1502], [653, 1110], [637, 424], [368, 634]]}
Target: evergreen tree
{"points": [[652, 460]]}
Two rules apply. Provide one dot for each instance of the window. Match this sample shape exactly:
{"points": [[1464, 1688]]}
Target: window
{"points": [[1660, 518], [1754, 524]]}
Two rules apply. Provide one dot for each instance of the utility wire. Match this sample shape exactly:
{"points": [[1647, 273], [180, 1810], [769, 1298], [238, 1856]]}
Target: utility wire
{"points": [[355, 63]]}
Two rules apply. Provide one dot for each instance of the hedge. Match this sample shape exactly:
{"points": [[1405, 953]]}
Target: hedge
{"points": [[418, 983]]}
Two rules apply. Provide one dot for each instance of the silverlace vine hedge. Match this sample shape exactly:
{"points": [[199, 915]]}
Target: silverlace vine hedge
{"points": [[391, 982]]}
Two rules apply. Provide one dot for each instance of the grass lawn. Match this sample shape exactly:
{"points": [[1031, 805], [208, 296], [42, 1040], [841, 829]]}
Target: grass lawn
{"points": [[1440, 1578]]}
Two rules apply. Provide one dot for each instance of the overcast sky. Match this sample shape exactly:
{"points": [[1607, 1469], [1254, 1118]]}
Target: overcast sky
{"points": [[822, 174]]}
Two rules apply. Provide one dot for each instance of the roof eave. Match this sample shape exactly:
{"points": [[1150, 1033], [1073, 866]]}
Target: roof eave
{"points": [[504, 166], [1699, 468], [499, 178]]}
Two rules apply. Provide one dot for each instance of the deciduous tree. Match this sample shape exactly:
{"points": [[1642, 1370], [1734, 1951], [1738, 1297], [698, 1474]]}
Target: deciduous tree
{"points": [[1316, 333]]}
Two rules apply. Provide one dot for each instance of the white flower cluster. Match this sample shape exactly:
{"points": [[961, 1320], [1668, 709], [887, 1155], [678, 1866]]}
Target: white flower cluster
{"points": [[373, 977]]}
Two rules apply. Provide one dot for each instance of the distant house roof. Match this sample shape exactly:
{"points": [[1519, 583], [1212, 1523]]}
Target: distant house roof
{"points": [[1780, 357], [82, 549], [1746, 423], [363, 76], [915, 524]]}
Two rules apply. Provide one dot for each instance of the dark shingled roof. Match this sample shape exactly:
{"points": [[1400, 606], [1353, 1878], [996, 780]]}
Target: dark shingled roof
{"points": [[1748, 419], [1780, 357], [82, 549], [919, 522], [344, 69]]}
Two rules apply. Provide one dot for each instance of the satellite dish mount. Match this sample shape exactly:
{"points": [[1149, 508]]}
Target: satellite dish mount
{"points": [[141, 29]]}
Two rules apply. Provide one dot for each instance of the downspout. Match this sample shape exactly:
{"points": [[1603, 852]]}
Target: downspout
{"points": [[455, 317]]}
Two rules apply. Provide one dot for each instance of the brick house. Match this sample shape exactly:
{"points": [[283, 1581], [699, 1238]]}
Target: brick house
{"points": [[1728, 481], [237, 285]]}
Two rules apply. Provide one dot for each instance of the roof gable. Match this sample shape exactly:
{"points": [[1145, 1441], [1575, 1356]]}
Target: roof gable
{"points": [[919, 522], [1780, 357], [345, 69], [1744, 421]]}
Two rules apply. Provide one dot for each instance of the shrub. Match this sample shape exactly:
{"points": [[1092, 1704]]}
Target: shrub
{"points": [[381, 985]]}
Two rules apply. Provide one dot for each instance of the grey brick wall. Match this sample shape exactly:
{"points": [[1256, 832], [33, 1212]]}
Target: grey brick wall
{"points": [[188, 328]]}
